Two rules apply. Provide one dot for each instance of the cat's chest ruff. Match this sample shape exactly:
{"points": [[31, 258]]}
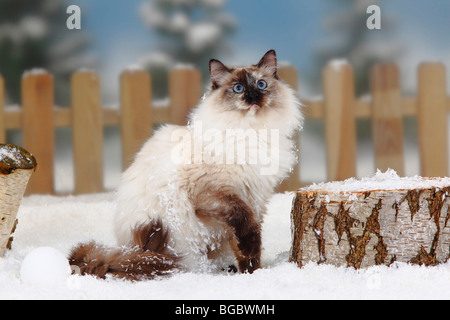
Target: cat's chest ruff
{"points": [[243, 147]]}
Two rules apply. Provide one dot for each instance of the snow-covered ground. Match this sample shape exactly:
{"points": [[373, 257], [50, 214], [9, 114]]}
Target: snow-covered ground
{"points": [[62, 222]]}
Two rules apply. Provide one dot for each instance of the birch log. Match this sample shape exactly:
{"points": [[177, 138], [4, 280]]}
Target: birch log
{"points": [[16, 167], [374, 221]]}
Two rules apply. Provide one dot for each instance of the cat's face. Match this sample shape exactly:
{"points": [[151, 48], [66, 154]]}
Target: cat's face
{"points": [[251, 89]]}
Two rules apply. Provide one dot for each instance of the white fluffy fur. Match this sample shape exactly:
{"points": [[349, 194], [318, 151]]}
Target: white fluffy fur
{"points": [[155, 187]]}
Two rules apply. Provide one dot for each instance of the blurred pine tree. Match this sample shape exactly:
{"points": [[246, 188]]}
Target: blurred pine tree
{"points": [[33, 34], [190, 32], [347, 37]]}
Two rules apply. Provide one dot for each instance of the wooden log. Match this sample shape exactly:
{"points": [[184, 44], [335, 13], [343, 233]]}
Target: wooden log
{"points": [[16, 167], [374, 221]]}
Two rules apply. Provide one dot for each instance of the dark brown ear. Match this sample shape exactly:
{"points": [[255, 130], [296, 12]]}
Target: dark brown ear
{"points": [[269, 61], [218, 72]]}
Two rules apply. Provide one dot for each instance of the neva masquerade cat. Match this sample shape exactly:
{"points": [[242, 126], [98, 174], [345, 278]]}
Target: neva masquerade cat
{"points": [[195, 197]]}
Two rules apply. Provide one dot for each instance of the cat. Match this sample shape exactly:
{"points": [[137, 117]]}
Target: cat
{"points": [[195, 197]]}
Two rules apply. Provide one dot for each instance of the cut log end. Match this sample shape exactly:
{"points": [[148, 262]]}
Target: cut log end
{"points": [[16, 168], [388, 219], [14, 157]]}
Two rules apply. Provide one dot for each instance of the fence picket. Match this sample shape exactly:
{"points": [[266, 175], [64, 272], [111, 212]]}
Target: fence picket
{"points": [[87, 132], [289, 75], [432, 120], [387, 118], [340, 126], [38, 129], [136, 113], [185, 90], [2, 113]]}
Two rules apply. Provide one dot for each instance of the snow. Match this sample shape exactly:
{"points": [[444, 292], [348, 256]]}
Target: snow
{"points": [[388, 180], [11, 155], [34, 72], [32, 27], [337, 64], [202, 35], [152, 15], [183, 66], [213, 3], [161, 103], [85, 70], [157, 59], [135, 67], [179, 22], [62, 222]]}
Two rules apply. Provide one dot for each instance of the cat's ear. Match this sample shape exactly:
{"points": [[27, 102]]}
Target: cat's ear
{"points": [[269, 61], [218, 72]]}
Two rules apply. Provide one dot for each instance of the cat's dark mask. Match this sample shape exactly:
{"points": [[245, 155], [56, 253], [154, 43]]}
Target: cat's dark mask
{"points": [[250, 85]]}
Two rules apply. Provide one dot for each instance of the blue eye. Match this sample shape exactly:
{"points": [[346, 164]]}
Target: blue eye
{"points": [[238, 88], [262, 85]]}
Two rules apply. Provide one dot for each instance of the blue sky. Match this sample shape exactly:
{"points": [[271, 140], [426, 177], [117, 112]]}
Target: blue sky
{"points": [[293, 27], [287, 25], [261, 21]]}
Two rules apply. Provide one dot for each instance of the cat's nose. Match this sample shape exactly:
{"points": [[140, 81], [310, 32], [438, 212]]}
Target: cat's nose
{"points": [[252, 97]]}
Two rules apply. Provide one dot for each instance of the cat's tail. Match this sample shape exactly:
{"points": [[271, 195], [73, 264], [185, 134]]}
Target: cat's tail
{"points": [[149, 258]]}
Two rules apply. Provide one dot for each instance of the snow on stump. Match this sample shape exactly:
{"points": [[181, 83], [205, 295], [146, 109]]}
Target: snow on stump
{"points": [[373, 221], [16, 167]]}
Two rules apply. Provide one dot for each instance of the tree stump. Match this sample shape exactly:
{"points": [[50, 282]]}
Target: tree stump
{"points": [[16, 167], [373, 221]]}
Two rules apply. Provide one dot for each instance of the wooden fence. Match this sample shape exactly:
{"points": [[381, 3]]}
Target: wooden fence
{"points": [[339, 109]]}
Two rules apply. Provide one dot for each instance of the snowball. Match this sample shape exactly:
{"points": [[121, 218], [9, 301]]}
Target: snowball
{"points": [[45, 265]]}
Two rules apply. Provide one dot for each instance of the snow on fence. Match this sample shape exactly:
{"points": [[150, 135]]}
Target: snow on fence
{"points": [[339, 109]]}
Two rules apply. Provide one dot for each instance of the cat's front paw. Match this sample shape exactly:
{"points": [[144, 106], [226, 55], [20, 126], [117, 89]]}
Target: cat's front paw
{"points": [[250, 247], [249, 265]]}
